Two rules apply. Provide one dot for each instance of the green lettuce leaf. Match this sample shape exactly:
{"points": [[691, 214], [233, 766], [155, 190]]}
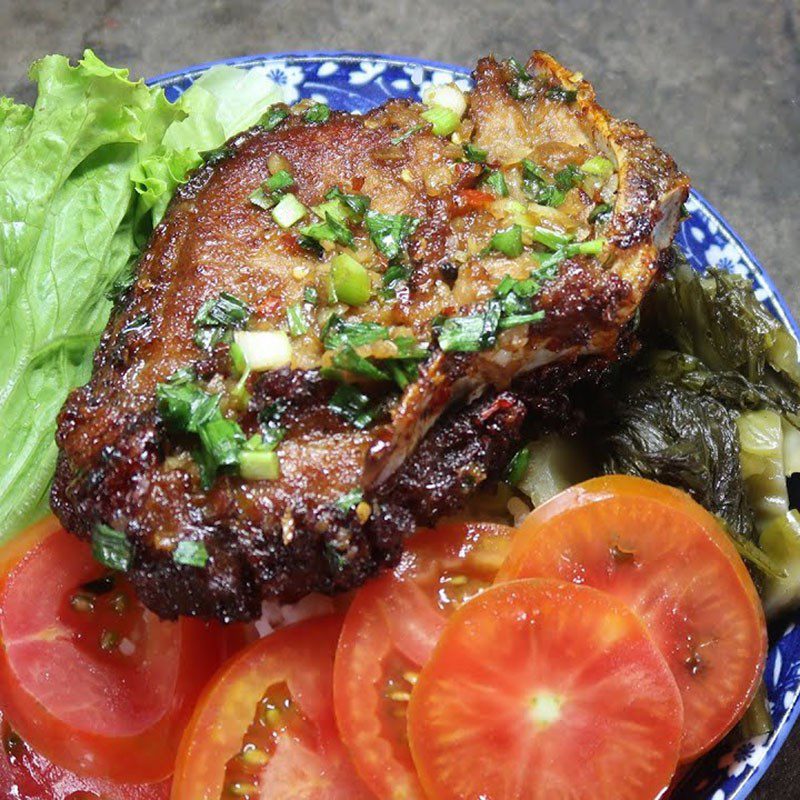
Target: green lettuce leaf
{"points": [[84, 176]]}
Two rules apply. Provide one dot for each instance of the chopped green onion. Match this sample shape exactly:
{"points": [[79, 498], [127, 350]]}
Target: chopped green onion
{"points": [[519, 68], [226, 311], [568, 177], [599, 166], [222, 439], [273, 117], [339, 333], [508, 241], [288, 211], [310, 295], [473, 333], [396, 275], [111, 547], [319, 112], [518, 466], [389, 231], [532, 171], [333, 207], [562, 94], [475, 154], [406, 134], [265, 350], [550, 238], [349, 360], [263, 200], [349, 500], [550, 195], [350, 280], [259, 465], [444, 121], [600, 212], [592, 247], [190, 554], [136, 324], [354, 406], [270, 191], [448, 96], [329, 231], [496, 182], [355, 204], [279, 182], [184, 406], [514, 320], [307, 243], [238, 359], [297, 323]]}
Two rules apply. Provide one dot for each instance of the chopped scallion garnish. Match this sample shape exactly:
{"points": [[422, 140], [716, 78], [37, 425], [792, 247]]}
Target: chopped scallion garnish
{"points": [[319, 112], [356, 204], [350, 281], [406, 134], [273, 117], [600, 213], [473, 333], [111, 547], [518, 466], [568, 177], [354, 406], [184, 406], [349, 500], [561, 94], [508, 241], [297, 322], [444, 121], [310, 295], [389, 231], [599, 166], [190, 554], [222, 439], [495, 181], [550, 238], [475, 154], [331, 230], [259, 465], [288, 211], [339, 332]]}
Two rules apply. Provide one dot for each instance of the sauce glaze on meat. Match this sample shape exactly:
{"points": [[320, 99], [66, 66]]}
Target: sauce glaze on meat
{"points": [[451, 430]]}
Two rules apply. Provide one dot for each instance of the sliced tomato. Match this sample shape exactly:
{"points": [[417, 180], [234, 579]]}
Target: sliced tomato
{"points": [[265, 727], [91, 679], [672, 563], [390, 631], [545, 690], [26, 774]]}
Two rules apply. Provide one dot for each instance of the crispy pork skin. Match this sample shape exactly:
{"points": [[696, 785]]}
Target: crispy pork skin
{"points": [[538, 195]]}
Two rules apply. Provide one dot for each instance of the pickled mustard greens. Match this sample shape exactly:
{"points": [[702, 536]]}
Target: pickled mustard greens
{"points": [[711, 405], [85, 175]]}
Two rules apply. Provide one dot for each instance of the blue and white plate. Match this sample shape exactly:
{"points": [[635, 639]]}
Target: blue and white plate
{"points": [[360, 81]]}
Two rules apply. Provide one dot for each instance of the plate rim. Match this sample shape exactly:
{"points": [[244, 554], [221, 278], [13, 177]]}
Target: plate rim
{"points": [[745, 788]]}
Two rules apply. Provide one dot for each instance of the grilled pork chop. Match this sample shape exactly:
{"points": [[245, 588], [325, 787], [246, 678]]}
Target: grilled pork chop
{"points": [[339, 328]]}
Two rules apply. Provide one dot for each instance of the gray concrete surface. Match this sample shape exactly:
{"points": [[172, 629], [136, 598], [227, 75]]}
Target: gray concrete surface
{"points": [[717, 82]]}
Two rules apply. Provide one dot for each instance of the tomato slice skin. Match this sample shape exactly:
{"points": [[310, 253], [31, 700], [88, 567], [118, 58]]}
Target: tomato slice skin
{"points": [[389, 632], [141, 692], [24, 773], [670, 561], [308, 761], [543, 690]]}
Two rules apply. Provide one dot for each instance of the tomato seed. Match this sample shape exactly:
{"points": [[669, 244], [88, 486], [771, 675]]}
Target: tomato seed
{"points": [[109, 640], [242, 789], [254, 756], [82, 602]]}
